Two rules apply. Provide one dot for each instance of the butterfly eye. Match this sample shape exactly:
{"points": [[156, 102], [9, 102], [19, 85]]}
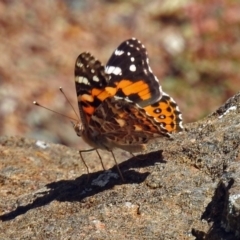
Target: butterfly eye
{"points": [[78, 128]]}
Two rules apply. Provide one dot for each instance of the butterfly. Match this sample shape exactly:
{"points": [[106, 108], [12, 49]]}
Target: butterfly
{"points": [[122, 104]]}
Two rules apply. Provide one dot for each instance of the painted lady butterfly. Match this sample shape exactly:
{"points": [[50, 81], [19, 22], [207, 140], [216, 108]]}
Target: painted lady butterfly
{"points": [[122, 105]]}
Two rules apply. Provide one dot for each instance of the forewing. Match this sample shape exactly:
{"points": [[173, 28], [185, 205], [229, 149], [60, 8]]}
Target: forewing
{"points": [[131, 77], [90, 82]]}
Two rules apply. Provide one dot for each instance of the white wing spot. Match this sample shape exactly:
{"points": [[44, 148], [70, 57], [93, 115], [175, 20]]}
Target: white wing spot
{"points": [[138, 48], [113, 70], [79, 64], [149, 69], [132, 59], [156, 79], [138, 105], [83, 80], [127, 99], [132, 68], [116, 97], [118, 52], [95, 79], [128, 53], [92, 71]]}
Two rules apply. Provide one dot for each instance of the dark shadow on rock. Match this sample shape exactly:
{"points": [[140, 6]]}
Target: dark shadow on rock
{"points": [[214, 214], [77, 189]]}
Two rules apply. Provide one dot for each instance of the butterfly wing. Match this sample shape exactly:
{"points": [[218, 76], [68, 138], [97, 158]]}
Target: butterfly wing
{"points": [[123, 105], [131, 77], [90, 82], [166, 113], [124, 125]]}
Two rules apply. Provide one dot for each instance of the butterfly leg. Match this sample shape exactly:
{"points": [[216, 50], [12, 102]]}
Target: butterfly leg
{"points": [[80, 153], [89, 150], [120, 173], [101, 160]]}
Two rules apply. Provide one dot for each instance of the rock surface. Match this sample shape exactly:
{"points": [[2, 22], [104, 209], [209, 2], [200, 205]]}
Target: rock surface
{"points": [[185, 188]]}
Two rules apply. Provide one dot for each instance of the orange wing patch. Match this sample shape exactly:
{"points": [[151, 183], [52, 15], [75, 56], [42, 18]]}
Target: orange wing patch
{"points": [[88, 101], [141, 88], [166, 112]]}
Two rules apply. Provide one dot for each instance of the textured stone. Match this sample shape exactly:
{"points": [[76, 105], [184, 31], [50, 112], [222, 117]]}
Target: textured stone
{"points": [[185, 188]]}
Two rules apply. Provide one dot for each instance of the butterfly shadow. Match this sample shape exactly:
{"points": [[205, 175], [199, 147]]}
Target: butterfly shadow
{"points": [[81, 187]]}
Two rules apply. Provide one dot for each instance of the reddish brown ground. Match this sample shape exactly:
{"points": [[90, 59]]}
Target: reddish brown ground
{"points": [[40, 40]]}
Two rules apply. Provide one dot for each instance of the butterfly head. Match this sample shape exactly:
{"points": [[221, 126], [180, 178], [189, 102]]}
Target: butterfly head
{"points": [[88, 136], [78, 128]]}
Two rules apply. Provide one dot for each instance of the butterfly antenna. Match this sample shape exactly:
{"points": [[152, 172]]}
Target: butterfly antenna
{"points": [[61, 90], [39, 105]]}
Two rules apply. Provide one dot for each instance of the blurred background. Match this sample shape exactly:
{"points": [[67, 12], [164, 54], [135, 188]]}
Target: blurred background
{"points": [[193, 47]]}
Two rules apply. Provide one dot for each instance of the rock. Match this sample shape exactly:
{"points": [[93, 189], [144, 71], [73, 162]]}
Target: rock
{"points": [[185, 188]]}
